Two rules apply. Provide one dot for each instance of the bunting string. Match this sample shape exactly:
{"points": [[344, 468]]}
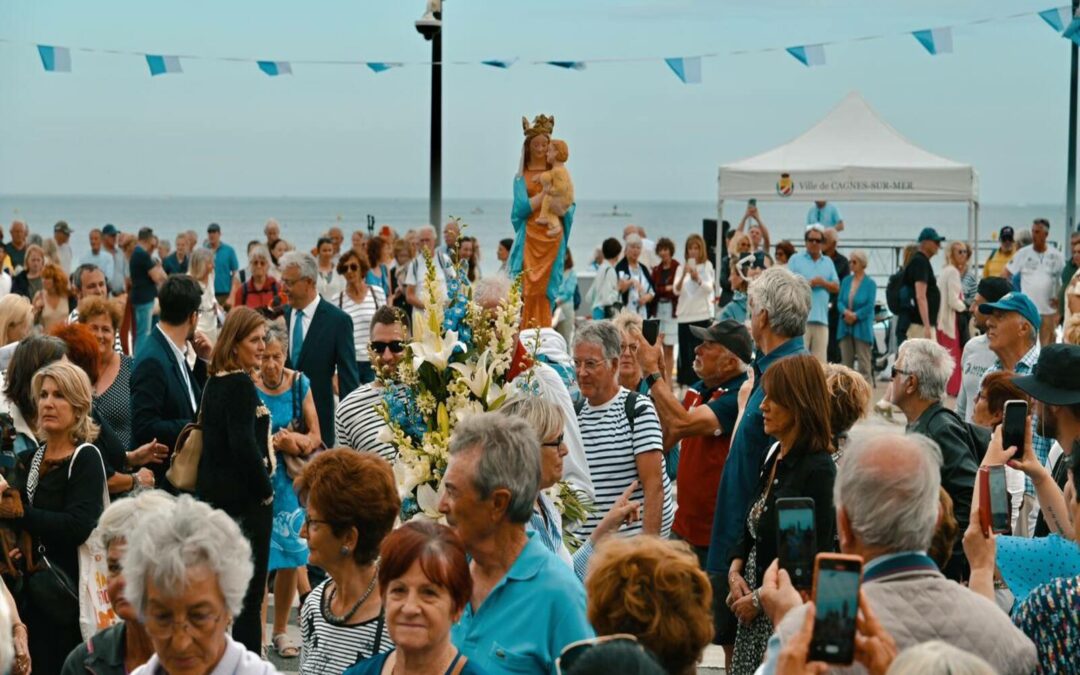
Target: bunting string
{"points": [[688, 68]]}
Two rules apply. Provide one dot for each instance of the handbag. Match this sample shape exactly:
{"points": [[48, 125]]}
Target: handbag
{"points": [[294, 464], [184, 465]]}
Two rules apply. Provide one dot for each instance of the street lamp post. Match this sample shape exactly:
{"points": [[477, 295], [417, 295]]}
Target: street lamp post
{"points": [[430, 26]]}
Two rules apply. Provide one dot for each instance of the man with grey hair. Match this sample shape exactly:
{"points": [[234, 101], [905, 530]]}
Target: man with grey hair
{"points": [[921, 372], [621, 433], [532, 603], [552, 377], [96, 256], [320, 338], [416, 292], [16, 248], [886, 495], [779, 303]]}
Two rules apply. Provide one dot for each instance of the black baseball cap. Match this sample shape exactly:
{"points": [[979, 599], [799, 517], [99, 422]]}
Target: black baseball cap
{"points": [[109, 230], [729, 333], [929, 233], [214, 227], [1006, 234], [1053, 379], [993, 289]]}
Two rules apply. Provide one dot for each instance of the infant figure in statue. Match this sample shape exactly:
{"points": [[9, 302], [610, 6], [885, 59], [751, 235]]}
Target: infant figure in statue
{"points": [[558, 189]]}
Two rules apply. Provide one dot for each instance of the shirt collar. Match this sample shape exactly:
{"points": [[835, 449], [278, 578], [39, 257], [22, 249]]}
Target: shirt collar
{"points": [[309, 310], [529, 561], [180, 354], [792, 346], [898, 563], [1029, 360]]}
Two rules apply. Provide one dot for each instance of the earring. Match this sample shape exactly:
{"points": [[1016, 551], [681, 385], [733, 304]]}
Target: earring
{"points": [[344, 550]]}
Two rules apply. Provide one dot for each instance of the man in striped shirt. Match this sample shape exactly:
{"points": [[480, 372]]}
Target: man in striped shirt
{"points": [[357, 423], [621, 433]]}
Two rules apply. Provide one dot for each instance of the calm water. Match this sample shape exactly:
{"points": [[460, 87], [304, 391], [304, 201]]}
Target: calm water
{"points": [[303, 219]]}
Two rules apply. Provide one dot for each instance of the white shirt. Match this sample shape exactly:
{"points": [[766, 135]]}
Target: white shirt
{"points": [[309, 312], [330, 285], [695, 297], [181, 359], [1040, 274], [973, 365], [63, 251]]}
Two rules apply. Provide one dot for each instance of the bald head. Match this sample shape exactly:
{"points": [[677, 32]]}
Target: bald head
{"points": [[887, 487], [18, 233]]}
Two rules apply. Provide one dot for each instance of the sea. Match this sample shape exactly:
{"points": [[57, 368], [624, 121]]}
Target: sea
{"points": [[880, 227]]}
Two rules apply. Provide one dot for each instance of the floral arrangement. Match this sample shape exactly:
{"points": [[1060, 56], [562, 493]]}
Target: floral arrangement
{"points": [[456, 364]]}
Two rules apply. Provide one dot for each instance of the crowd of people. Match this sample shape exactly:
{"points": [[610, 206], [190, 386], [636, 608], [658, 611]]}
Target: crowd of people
{"points": [[122, 556]]}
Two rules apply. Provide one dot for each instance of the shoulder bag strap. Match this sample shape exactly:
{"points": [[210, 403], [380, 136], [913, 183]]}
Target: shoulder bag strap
{"points": [[34, 474], [297, 407], [71, 465]]}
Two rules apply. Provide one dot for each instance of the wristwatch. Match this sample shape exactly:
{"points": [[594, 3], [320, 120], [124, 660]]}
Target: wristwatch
{"points": [[651, 379]]}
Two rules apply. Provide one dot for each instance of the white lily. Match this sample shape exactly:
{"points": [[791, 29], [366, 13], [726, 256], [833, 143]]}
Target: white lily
{"points": [[476, 375], [428, 501], [434, 348]]}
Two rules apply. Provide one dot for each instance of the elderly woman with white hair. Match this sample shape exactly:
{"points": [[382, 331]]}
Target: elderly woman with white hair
{"points": [[855, 304], [526, 604], [260, 289], [187, 570], [123, 647], [635, 279]]}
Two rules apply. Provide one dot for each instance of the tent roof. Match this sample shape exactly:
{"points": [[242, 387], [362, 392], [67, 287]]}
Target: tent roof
{"points": [[852, 143]]}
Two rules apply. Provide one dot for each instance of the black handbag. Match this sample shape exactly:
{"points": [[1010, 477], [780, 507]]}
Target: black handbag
{"points": [[51, 592]]}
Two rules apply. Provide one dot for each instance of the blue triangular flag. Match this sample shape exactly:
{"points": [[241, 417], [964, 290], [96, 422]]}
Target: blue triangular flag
{"points": [[380, 66], [686, 68], [1058, 17], [161, 65], [1072, 31], [935, 40], [569, 65], [55, 59], [275, 68], [809, 55], [500, 63]]}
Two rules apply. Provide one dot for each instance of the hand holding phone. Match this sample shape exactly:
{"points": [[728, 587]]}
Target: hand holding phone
{"points": [[650, 329], [796, 543], [837, 578], [1013, 426], [995, 514]]}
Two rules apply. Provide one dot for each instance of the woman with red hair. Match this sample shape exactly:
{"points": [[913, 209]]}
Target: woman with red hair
{"points": [[53, 302]]}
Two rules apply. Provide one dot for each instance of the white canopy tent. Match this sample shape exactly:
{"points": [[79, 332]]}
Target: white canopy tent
{"points": [[852, 155]]}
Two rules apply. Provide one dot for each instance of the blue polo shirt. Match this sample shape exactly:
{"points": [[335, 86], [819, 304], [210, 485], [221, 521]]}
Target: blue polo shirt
{"points": [[806, 267], [528, 618], [827, 215], [743, 467], [225, 266]]}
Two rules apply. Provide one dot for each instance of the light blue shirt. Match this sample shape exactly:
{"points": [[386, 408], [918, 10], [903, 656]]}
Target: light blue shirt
{"points": [[103, 259], [827, 215], [528, 618], [225, 266], [806, 267]]}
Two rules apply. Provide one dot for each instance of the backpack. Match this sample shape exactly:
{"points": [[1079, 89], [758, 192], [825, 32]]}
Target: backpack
{"points": [[898, 295], [631, 408], [244, 287]]}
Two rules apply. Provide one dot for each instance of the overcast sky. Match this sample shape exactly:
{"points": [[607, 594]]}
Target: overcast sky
{"points": [[999, 102]]}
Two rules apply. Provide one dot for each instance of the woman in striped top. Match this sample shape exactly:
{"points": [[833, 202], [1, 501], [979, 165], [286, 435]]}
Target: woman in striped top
{"points": [[359, 300], [352, 502]]}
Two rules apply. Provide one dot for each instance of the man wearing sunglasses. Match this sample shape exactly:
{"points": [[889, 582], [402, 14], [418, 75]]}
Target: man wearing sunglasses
{"points": [[357, 423], [819, 270]]}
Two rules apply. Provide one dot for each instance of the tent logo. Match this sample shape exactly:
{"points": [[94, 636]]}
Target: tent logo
{"points": [[785, 186]]}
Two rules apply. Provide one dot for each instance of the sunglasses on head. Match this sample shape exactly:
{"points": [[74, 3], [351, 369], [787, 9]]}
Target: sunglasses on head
{"points": [[573, 651], [396, 346]]}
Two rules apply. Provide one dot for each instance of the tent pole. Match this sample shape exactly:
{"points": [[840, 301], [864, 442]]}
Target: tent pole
{"points": [[1070, 181]]}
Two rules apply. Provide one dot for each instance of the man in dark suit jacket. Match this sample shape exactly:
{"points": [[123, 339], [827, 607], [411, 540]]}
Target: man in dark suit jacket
{"points": [[320, 339], [165, 393]]}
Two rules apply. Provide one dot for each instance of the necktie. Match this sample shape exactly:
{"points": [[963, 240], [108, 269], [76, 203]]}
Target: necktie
{"points": [[297, 338]]}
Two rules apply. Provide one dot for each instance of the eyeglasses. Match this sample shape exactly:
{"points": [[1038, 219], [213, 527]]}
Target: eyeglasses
{"points": [[555, 443], [575, 650], [396, 346], [289, 283], [308, 522], [163, 626], [351, 267], [897, 371], [814, 240], [588, 364], [631, 347]]}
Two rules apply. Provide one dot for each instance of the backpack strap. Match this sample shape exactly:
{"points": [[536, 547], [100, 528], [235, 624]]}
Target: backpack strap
{"points": [[631, 408], [579, 405]]}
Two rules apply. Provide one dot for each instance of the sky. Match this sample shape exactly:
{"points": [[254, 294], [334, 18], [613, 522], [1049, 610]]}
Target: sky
{"points": [[999, 102]]}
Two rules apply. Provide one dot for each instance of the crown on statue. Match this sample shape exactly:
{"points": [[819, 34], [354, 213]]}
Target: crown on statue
{"points": [[542, 124]]}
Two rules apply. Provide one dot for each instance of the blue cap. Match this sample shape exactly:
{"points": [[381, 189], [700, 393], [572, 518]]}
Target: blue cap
{"points": [[109, 229], [1015, 302], [931, 234]]}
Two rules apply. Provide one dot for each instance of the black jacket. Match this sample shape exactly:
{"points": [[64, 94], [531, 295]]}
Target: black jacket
{"points": [[800, 474], [959, 454], [328, 346], [232, 472], [160, 405], [20, 284], [102, 654], [623, 268]]}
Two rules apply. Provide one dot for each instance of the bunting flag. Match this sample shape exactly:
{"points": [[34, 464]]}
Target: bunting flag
{"points": [[163, 65], [380, 66], [809, 55], [1058, 18], [500, 63], [569, 65], [275, 68], [686, 68], [1072, 31], [936, 40], [55, 59]]}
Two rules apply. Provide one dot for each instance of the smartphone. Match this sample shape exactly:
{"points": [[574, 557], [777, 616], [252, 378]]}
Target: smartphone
{"points": [[1013, 426], [994, 512], [752, 202], [836, 600], [796, 543], [650, 328]]}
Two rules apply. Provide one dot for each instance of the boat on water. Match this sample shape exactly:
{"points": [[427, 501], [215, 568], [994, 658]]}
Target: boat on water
{"points": [[615, 213], [477, 211]]}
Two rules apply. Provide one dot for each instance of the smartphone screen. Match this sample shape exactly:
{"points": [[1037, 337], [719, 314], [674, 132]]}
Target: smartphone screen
{"points": [[1000, 517], [752, 202], [1012, 427], [836, 599], [650, 328], [796, 543]]}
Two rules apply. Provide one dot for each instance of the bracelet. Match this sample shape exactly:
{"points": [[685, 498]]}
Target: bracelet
{"points": [[755, 599]]}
